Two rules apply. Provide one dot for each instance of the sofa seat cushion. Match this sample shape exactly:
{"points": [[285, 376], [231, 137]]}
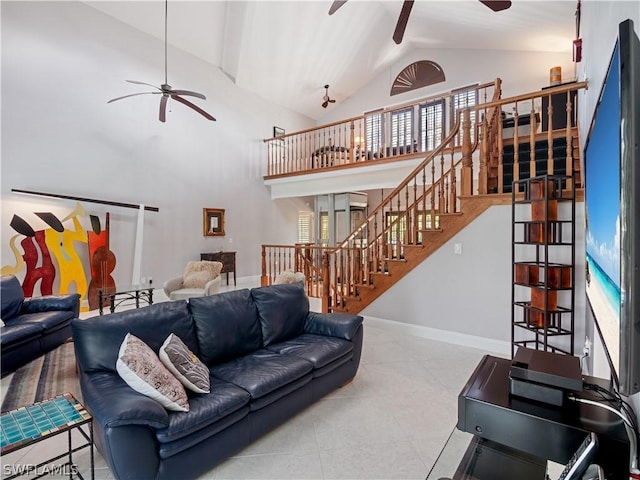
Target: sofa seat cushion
{"points": [[205, 410], [48, 321], [318, 350], [263, 372], [17, 332]]}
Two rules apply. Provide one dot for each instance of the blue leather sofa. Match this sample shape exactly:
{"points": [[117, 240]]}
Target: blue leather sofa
{"points": [[269, 357], [32, 326]]}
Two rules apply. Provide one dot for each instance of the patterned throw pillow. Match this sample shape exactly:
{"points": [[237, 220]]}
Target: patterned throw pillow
{"points": [[142, 370], [183, 363], [197, 274]]}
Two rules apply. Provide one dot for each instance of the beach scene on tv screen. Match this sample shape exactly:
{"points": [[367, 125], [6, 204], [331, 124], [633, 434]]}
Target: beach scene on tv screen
{"points": [[602, 198]]}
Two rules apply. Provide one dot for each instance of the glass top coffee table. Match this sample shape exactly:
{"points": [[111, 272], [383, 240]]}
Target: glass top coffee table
{"points": [[467, 457], [28, 425], [129, 295]]}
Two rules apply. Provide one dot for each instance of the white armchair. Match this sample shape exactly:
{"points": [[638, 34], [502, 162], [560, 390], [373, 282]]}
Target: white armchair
{"points": [[199, 279]]}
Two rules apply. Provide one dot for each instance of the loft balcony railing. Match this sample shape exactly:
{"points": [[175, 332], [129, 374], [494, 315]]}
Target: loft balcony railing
{"points": [[379, 136], [511, 140]]}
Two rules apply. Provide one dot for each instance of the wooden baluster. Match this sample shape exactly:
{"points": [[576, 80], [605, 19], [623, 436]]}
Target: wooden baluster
{"points": [[516, 149], [325, 282], [399, 233], [441, 200], [498, 121], [550, 139], [433, 192], [424, 197], [416, 210], [454, 195], [532, 142], [483, 171]]}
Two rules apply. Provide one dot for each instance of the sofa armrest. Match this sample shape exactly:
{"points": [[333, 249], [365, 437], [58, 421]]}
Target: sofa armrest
{"points": [[341, 325], [50, 303], [172, 284], [113, 403]]}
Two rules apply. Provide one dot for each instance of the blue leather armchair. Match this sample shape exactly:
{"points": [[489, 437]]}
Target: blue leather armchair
{"points": [[32, 326]]}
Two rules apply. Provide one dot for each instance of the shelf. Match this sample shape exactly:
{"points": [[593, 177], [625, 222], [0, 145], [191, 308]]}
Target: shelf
{"points": [[543, 274]]}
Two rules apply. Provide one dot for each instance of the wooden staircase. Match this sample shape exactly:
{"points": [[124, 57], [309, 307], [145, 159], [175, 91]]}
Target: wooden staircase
{"points": [[438, 199], [393, 269]]}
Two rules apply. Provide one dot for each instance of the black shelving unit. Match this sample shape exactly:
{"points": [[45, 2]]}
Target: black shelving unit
{"points": [[543, 270]]}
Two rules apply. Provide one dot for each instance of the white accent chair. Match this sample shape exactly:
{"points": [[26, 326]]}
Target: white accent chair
{"points": [[200, 279], [289, 276]]}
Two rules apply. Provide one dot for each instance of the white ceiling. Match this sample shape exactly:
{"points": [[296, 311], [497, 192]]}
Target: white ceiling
{"points": [[286, 51]]}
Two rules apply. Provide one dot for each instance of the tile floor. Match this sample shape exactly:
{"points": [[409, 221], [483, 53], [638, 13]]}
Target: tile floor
{"points": [[390, 422]]}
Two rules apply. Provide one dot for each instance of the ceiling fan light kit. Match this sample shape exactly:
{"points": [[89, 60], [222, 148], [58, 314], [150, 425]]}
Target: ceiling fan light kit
{"points": [[165, 89], [326, 100]]}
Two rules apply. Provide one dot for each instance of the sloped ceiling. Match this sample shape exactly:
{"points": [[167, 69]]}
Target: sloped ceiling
{"points": [[286, 51]]}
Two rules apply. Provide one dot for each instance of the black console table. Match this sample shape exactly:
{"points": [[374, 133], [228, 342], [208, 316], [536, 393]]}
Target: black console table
{"points": [[228, 260], [487, 410]]}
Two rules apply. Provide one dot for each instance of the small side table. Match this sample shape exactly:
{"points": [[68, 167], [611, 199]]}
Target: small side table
{"points": [[228, 260], [28, 425]]}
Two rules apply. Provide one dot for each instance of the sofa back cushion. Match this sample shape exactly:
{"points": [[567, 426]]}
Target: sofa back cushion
{"points": [[11, 297], [97, 340], [282, 310], [226, 325]]}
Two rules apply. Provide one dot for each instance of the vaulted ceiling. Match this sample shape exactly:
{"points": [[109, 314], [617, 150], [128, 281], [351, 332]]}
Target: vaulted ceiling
{"points": [[286, 51]]}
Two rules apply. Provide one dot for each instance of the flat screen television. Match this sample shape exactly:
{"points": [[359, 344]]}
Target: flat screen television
{"points": [[612, 197]]}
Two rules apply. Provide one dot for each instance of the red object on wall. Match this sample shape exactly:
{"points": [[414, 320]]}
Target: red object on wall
{"points": [[577, 50], [46, 272]]}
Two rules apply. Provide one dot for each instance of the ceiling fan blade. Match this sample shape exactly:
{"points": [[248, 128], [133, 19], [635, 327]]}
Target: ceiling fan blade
{"points": [[193, 106], [336, 5], [132, 95], [331, 100], [402, 21], [189, 93], [325, 103], [143, 83], [163, 108], [496, 6]]}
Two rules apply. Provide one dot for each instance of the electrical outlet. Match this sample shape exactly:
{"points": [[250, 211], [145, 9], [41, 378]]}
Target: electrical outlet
{"points": [[587, 347]]}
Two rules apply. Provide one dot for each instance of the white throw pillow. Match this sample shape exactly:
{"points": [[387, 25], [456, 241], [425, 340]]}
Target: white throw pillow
{"points": [[183, 363], [142, 370]]}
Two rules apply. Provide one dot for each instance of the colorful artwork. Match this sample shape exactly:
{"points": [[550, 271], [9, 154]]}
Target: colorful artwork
{"points": [[48, 253]]}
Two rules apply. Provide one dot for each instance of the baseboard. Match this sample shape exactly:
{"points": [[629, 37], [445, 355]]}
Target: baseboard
{"points": [[483, 343]]}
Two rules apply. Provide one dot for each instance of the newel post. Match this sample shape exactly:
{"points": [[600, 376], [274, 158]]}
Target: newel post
{"points": [[466, 176], [264, 279], [325, 282]]}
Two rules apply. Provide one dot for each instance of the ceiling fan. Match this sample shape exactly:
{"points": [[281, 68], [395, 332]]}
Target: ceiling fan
{"points": [[326, 98], [407, 5], [165, 89]]}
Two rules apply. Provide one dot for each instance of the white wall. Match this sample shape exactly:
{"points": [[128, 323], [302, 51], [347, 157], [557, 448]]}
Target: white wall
{"points": [[61, 62]]}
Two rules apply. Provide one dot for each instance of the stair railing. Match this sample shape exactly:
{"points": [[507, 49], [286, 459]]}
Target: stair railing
{"points": [[398, 222], [345, 143]]}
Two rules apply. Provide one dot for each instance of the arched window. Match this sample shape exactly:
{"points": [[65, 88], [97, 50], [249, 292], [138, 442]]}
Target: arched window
{"points": [[417, 75]]}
